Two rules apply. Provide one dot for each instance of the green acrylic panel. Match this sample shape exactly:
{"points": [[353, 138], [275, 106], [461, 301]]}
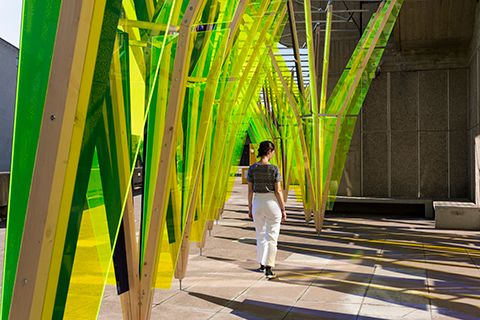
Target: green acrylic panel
{"points": [[39, 27], [162, 48], [100, 135], [91, 254], [221, 105], [356, 102]]}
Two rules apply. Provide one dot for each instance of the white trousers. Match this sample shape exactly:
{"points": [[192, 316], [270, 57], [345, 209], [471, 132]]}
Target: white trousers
{"points": [[266, 218]]}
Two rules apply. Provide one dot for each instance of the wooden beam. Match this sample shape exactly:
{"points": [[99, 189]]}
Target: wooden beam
{"points": [[131, 305], [146, 25], [296, 47], [205, 118], [260, 41], [175, 107], [349, 97], [311, 56], [130, 299], [234, 88], [235, 23], [150, 8], [301, 133], [98, 40], [314, 104], [182, 262], [264, 118], [51, 162], [320, 125], [208, 228]]}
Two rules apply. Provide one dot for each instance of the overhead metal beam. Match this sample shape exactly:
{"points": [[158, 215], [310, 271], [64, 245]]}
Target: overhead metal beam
{"points": [[339, 11], [325, 21]]}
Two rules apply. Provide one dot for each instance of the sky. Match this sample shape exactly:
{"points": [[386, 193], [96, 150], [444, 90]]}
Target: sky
{"points": [[10, 16]]}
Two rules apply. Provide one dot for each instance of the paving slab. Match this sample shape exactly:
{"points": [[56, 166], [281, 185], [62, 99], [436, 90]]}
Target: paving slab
{"points": [[394, 312], [340, 293], [450, 314], [318, 310], [251, 307], [359, 267]]}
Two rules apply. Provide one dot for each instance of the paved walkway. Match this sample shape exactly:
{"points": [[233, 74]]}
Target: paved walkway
{"points": [[359, 268]]}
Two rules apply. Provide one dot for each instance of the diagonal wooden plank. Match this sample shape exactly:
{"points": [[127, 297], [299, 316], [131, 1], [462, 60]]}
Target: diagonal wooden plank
{"points": [[301, 133], [63, 102], [320, 125], [296, 47], [175, 106], [130, 298], [350, 95], [311, 57]]}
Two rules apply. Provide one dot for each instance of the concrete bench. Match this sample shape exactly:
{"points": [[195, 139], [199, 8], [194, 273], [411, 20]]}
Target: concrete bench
{"points": [[370, 200], [4, 185], [457, 215]]}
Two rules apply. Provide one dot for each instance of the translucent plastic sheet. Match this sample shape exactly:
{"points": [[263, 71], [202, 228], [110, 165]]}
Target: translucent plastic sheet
{"points": [[373, 41], [38, 36], [121, 122], [325, 137], [92, 255]]}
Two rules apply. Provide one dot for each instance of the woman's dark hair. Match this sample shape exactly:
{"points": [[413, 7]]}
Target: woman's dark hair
{"points": [[265, 147]]}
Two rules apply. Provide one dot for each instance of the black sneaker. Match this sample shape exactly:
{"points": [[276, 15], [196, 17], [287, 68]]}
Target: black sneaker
{"points": [[269, 273], [261, 269]]}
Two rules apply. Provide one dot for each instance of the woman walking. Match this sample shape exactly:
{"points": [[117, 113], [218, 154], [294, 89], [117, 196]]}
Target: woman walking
{"points": [[266, 206]]}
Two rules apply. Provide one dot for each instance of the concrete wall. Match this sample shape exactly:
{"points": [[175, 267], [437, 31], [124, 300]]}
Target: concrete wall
{"points": [[8, 81], [411, 140], [474, 112]]}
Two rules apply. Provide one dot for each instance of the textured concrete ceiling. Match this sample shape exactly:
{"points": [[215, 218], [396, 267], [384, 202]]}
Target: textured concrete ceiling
{"points": [[435, 23], [423, 24]]}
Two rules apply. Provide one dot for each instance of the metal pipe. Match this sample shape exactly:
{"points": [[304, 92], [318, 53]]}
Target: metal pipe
{"points": [[333, 21], [339, 11]]}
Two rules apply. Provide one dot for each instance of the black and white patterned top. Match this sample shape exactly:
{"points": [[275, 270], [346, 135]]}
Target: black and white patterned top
{"points": [[263, 177]]}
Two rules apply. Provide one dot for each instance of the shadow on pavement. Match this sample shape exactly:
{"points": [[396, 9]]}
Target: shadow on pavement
{"points": [[253, 310]]}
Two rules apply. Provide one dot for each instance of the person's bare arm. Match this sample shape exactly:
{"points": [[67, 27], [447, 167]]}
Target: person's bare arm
{"points": [[281, 202], [250, 199]]}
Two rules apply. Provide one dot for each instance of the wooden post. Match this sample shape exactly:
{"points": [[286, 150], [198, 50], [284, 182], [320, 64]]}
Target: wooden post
{"points": [[301, 133], [311, 56], [208, 228], [131, 248], [182, 262], [50, 170], [129, 300], [175, 107], [321, 125], [296, 50]]}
